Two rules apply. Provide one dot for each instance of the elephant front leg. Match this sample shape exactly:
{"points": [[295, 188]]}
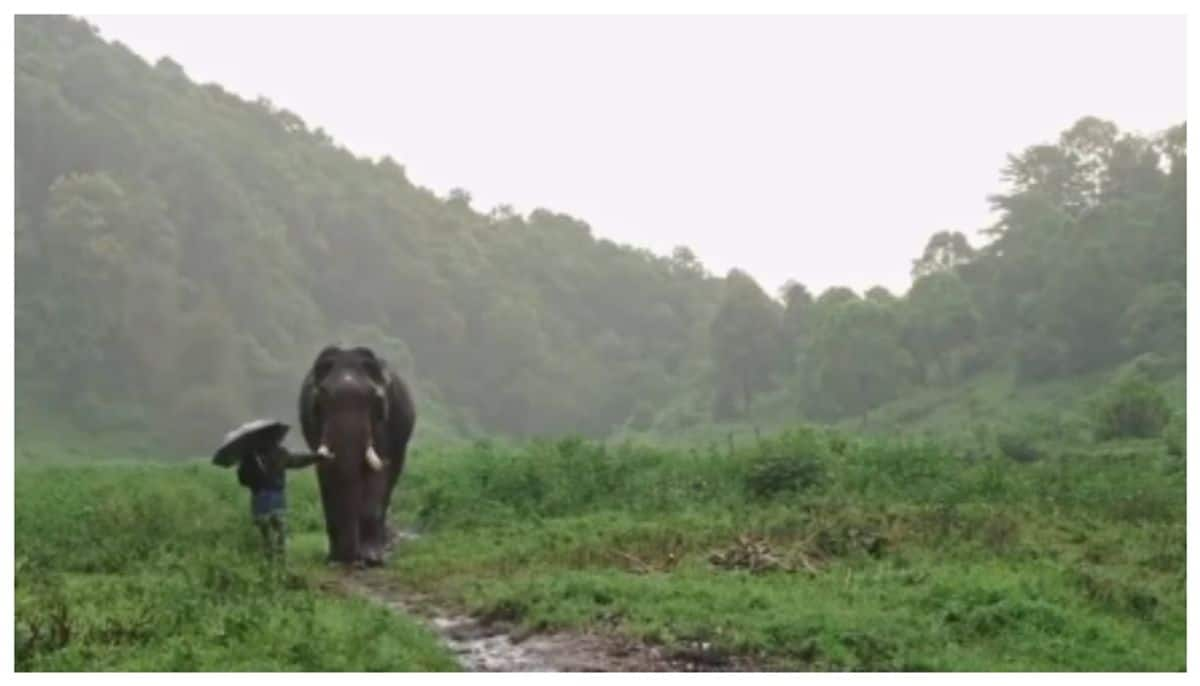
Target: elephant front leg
{"points": [[342, 498], [373, 524], [326, 486]]}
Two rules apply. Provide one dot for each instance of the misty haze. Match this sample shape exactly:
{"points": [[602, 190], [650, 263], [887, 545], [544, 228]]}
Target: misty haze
{"points": [[600, 344]]}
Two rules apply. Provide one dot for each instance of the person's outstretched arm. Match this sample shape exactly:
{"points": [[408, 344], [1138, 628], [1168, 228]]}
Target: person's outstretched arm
{"points": [[302, 460], [298, 460]]}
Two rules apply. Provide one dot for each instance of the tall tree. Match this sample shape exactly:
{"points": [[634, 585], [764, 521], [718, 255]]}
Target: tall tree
{"points": [[857, 359], [747, 343], [940, 320], [945, 251]]}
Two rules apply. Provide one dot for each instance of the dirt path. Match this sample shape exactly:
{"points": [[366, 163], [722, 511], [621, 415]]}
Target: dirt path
{"points": [[483, 646]]}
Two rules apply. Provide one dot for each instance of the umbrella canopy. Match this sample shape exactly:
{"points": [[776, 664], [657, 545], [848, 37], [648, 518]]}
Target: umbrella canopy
{"points": [[257, 436]]}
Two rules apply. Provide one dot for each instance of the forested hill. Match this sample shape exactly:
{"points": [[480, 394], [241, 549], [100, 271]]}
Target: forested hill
{"points": [[182, 254]]}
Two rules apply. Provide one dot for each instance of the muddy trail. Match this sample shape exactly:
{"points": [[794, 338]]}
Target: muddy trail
{"points": [[486, 645]]}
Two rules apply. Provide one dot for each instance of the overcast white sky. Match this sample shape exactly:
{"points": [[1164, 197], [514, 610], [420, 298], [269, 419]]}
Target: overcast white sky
{"points": [[825, 149]]}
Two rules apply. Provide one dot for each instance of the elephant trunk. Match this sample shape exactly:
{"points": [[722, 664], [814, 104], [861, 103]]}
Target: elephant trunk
{"points": [[370, 456], [347, 435]]}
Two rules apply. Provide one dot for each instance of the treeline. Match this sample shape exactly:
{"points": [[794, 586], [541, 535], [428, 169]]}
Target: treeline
{"points": [[182, 254], [1085, 268]]}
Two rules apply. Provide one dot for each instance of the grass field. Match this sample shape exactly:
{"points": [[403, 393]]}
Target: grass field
{"points": [[806, 550], [875, 555], [132, 567]]}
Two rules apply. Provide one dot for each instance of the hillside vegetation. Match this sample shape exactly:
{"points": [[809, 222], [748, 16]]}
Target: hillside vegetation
{"points": [[182, 254]]}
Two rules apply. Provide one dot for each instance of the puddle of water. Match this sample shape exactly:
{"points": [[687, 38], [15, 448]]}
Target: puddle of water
{"points": [[493, 648], [482, 648]]}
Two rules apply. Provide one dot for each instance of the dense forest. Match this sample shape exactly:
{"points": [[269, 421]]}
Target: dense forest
{"points": [[182, 254]]}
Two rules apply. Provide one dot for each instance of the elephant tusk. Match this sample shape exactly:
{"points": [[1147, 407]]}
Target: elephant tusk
{"points": [[325, 452], [373, 458]]}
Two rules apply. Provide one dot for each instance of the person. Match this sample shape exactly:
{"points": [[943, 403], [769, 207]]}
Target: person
{"points": [[264, 472]]}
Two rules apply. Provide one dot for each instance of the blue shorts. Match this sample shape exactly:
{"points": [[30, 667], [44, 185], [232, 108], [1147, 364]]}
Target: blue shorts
{"points": [[263, 503]]}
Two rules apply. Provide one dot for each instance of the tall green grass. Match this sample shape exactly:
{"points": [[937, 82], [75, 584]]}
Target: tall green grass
{"points": [[134, 567], [1130, 481], [894, 553], [908, 553]]}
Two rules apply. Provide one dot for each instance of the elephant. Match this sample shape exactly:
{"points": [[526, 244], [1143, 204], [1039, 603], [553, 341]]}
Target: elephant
{"points": [[358, 414]]}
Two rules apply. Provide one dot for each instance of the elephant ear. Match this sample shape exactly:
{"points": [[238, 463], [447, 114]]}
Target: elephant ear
{"points": [[309, 424]]}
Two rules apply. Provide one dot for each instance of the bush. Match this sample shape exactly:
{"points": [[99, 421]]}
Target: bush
{"points": [[1176, 435], [1151, 366], [1132, 407], [790, 464], [1018, 446]]}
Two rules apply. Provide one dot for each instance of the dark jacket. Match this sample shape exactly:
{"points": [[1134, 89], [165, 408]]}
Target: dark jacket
{"points": [[268, 471]]}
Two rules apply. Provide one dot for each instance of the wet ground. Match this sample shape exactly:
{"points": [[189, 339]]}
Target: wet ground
{"points": [[483, 646], [497, 646]]}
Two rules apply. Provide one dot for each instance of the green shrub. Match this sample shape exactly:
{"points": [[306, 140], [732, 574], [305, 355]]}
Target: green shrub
{"points": [[1018, 446], [1131, 407], [790, 464], [1176, 435]]}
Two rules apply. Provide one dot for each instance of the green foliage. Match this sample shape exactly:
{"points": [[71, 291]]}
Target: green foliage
{"points": [[1039, 356], [792, 463], [1157, 318], [1131, 407], [904, 555], [189, 252], [897, 548], [746, 343], [1175, 435], [856, 359], [940, 321], [1077, 268], [181, 254], [1018, 446], [945, 252], [144, 568]]}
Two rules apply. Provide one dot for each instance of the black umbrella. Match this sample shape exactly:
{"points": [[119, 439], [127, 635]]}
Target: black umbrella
{"points": [[253, 437]]}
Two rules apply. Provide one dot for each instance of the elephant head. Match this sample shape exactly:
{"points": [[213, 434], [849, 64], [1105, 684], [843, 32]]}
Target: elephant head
{"points": [[349, 403], [358, 415]]}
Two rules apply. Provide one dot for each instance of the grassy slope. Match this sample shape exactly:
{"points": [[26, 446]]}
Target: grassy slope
{"points": [[998, 400], [133, 567], [993, 400]]}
